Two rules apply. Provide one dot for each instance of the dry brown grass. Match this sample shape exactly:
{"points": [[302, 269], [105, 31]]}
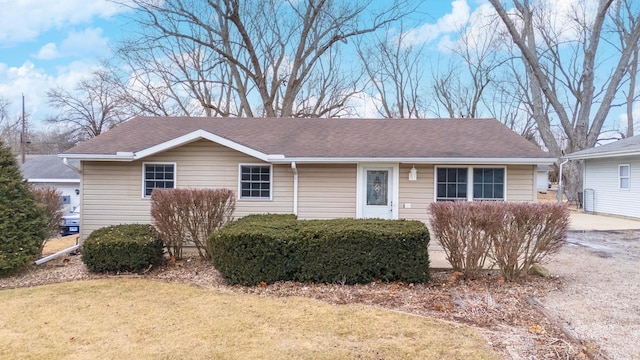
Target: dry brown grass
{"points": [[143, 319], [52, 246]]}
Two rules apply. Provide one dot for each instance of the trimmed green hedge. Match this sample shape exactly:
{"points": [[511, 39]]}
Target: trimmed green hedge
{"points": [[130, 247], [273, 248]]}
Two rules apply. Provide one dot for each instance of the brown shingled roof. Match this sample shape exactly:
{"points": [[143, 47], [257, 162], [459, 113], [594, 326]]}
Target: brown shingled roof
{"points": [[327, 138]]}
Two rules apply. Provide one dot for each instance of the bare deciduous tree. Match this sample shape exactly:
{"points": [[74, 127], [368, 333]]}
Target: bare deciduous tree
{"points": [[460, 89], [94, 107], [394, 71], [10, 130], [561, 60], [623, 20], [50, 141], [251, 58]]}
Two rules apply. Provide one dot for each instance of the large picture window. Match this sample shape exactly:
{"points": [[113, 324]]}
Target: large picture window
{"points": [[451, 184], [470, 183], [623, 175], [255, 181], [161, 176], [488, 184]]}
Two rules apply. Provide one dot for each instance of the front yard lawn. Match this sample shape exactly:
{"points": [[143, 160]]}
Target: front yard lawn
{"points": [[149, 319]]}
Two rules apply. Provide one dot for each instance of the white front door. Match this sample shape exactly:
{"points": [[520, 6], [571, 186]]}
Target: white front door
{"points": [[377, 192]]}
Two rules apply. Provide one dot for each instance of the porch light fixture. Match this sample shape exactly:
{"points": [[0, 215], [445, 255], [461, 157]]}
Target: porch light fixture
{"points": [[413, 174]]}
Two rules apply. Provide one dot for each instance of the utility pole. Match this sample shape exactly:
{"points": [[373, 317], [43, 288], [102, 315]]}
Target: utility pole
{"points": [[22, 133]]}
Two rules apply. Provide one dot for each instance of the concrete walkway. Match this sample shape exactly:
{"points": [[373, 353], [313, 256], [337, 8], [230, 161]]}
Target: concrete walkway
{"points": [[587, 222], [579, 222]]}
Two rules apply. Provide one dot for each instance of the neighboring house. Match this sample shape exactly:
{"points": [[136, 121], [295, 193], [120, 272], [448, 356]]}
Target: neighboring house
{"points": [[315, 168], [612, 177], [50, 171], [543, 177]]}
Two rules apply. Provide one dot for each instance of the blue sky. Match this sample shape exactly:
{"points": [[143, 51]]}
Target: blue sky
{"points": [[44, 43]]}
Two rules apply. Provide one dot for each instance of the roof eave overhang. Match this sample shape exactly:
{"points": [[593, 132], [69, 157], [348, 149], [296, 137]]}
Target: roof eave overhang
{"points": [[174, 143], [100, 157], [602, 155], [66, 181], [414, 160]]}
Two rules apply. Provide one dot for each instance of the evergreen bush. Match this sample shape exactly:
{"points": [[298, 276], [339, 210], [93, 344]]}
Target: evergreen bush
{"points": [[269, 248], [130, 247], [23, 225]]}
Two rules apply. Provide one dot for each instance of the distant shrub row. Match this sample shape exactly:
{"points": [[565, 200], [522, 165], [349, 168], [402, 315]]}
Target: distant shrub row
{"points": [[270, 248], [513, 236]]}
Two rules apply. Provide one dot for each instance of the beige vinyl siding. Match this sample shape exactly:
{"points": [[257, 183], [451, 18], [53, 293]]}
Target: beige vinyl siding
{"points": [[111, 195], [326, 191], [420, 193], [520, 182], [112, 191], [416, 194]]}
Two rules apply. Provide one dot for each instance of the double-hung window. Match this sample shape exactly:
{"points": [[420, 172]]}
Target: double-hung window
{"points": [[623, 176], [158, 175], [451, 184], [255, 181], [470, 183], [488, 184]]}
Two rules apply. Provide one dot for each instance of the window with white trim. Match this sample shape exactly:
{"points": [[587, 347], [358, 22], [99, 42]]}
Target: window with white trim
{"points": [[488, 183], [255, 181], [451, 184], [158, 175], [470, 183], [623, 176]]}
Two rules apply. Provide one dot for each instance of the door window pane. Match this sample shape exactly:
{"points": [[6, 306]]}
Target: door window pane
{"points": [[377, 186]]}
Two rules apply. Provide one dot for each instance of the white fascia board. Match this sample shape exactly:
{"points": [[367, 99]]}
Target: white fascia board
{"points": [[173, 143], [466, 161], [100, 157], [603, 155], [197, 135], [70, 181]]}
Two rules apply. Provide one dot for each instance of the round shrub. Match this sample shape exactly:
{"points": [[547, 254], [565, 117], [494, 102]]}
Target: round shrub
{"points": [[130, 247], [23, 226]]}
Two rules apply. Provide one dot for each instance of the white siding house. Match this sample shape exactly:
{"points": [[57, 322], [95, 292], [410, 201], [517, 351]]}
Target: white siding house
{"points": [[612, 178], [50, 171]]}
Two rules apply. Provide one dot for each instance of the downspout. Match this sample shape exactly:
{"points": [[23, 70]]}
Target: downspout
{"points": [[560, 190], [66, 162], [295, 187]]}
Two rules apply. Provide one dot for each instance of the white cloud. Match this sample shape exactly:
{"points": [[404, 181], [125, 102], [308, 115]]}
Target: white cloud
{"points": [[24, 20], [365, 105], [48, 52], [562, 15], [27, 80], [89, 41], [77, 44], [449, 23], [34, 82]]}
